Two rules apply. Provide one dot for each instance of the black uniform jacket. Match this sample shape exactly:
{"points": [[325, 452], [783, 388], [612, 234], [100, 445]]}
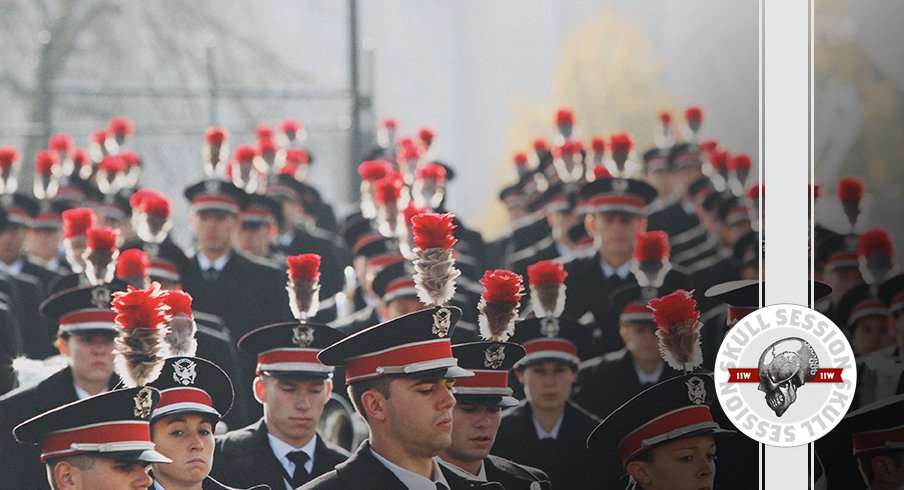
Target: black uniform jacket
{"points": [[243, 458], [363, 470], [211, 484], [566, 459], [514, 476], [20, 464], [605, 383]]}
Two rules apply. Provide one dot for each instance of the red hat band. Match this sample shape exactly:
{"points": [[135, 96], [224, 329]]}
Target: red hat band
{"points": [[865, 308], [120, 435], [403, 359], [163, 269], [636, 312], [668, 426], [737, 313], [88, 319], [897, 303], [608, 203], [484, 382], [215, 203], [182, 399], [291, 359], [549, 348], [879, 440], [841, 260], [400, 288]]}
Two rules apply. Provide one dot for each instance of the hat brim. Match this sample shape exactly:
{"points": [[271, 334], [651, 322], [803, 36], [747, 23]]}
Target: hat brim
{"points": [[450, 372], [149, 456], [299, 375], [501, 401]]}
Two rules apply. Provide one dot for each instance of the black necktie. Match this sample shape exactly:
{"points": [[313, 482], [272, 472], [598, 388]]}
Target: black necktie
{"points": [[300, 477], [211, 274]]}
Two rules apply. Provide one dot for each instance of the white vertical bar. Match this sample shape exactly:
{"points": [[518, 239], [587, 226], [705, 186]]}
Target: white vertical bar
{"points": [[785, 150]]}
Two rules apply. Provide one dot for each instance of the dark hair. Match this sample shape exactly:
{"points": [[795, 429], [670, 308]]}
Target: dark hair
{"points": [[81, 461], [358, 388]]}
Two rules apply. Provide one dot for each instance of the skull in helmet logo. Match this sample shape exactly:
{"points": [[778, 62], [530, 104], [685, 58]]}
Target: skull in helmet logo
{"points": [[784, 367]]}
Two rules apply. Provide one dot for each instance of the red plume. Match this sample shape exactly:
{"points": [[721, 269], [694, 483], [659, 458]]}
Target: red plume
{"points": [[540, 144], [120, 126], [564, 117], [388, 189], [156, 206], [426, 135], [98, 136], [140, 316], [102, 238], [411, 211], [79, 156], [621, 142], [112, 164], [60, 142], [432, 171], [77, 222], [409, 152], [719, 160], [8, 156], [304, 267], [546, 272], [216, 135], [709, 146], [139, 308], [520, 159], [179, 302], [130, 158], [432, 230], [139, 196], [289, 167], [601, 172], [598, 144], [297, 155], [652, 246], [875, 242], [693, 115], [499, 304], [263, 131], [817, 190], [245, 152], [753, 193], [45, 161], [740, 162], [267, 145], [390, 123], [131, 263], [850, 189], [678, 319], [665, 117], [374, 170], [289, 125]]}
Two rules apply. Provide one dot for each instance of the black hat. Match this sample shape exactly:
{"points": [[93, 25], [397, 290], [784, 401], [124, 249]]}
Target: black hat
{"points": [[546, 339], [630, 301], [743, 296], [616, 195], [490, 362], [192, 385], [261, 210], [395, 281], [215, 195], [684, 154], [656, 159], [892, 293], [288, 187], [290, 349], [700, 189], [838, 252], [860, 302], [876, 427], [560, 198], [511, 196], [115, 207], [711, 202], [49, 215], [732, 211], [450, 172], [20, 209], [354, 228], [680, 408], [412, 345], [379, 251], [84, 309], [114, 424]]}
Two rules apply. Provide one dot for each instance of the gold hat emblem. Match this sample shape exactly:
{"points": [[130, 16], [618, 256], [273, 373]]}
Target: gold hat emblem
{"points": [[442, 321], [143, 403]]}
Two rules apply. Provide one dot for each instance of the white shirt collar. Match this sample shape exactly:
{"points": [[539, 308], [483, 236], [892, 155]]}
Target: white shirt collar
{"points": [[281, 449], [481, 474], [13, 269], [218, 264], [158, 486], [80, 393], [554, 433], [621, 271], [410, 479], [286, 238], [649, 378]]}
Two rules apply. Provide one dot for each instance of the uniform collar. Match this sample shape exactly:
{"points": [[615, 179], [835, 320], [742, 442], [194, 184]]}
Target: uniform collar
{"points": [[621, 271], [281, 449], [218, 264], [552, 434], [410, 479]]}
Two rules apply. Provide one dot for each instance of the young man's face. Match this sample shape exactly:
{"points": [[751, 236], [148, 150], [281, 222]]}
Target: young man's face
{"points": [[870, 334], [686, 464], [214, 230], [292, 407], [418, 415], [661, 180], [843, 280], [187, 439], [103, 474], [11, 241], [254, 239], [474, 431], [44, 243], [91, 357], [547, 384], [615, 232], [640, 339]]}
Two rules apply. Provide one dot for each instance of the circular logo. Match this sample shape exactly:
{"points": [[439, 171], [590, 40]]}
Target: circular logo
{"points": [[785, 375]]}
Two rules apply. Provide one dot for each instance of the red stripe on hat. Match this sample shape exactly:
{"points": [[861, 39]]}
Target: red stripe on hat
{"points": [[283, 190], [687, 159], [484, 379], [633, 443], [842, 259], [550, 345], [60, 443], [257, 212], [737, 313], [402, 283], [897, 302], [88, 316], [49, 218], [877, 440], [203, 199], [403, 355], [384, 260], [637, 308], [184, 395], [615, 200], [288, 355]]}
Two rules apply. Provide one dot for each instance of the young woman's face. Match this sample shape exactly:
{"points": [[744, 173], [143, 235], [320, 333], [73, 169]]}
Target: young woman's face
{"points": [[187, 439], [687, 464]]}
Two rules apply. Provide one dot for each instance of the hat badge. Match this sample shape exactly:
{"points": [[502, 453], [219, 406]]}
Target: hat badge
{"points": [[152, 249], [302, 335], [619, 185], [100, 297], [184, 372], [143, 403], [442, 321], [696, 390], [549, 326], [211, 187], [493, 356]]}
